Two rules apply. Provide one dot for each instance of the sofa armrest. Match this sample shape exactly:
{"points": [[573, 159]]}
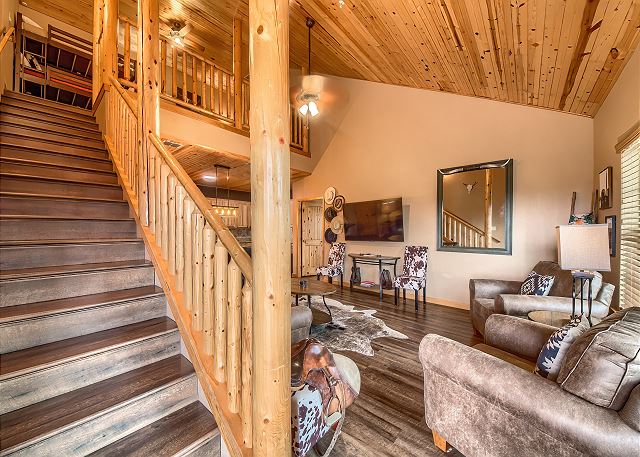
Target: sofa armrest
{"points": [[301, 317], [521, 305], [517, 336], [491, 288], [464, 387]]}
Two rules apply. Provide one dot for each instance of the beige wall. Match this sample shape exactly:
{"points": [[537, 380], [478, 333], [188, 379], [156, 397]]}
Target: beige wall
{"points": [[392, 140], [8, 10], [619, 113]]}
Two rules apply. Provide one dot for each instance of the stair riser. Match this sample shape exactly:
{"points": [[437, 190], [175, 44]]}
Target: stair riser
{"points": [[88, 125], [58, 173], [208, 448], [44, 106], [33, 387], [30, 290], [62, 209], [46, 136], [62, 148], [28, 186], [27, 333], [16, 257], [52, 128], [44, 157], [29, 229]]}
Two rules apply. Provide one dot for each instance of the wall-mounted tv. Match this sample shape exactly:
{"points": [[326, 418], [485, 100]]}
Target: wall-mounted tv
{"points": [[375, 220]]}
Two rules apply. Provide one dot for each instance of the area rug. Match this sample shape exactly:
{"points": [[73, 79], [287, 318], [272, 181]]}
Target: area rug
{"points": [[351, 329]]}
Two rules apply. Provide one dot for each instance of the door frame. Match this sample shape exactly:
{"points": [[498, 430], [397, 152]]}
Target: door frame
{"points": [[299, 234]]}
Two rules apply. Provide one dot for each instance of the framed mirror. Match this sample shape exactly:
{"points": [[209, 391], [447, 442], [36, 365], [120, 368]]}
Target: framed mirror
{"points": [[475, 206]]}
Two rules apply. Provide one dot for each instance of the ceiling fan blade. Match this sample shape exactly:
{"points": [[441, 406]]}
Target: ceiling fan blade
{"points": [[184, 30]]}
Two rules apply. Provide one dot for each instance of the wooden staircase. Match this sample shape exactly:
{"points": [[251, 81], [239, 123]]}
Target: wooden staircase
{"points": [[90, 362]]}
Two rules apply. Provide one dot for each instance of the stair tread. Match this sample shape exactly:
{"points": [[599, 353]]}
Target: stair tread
{"points": [[50, 103], [45, 418], [31, 112], [60, 129], [4, 145], [56, 179], [166, 436], [39, 357], [70, 269], [43, 308], [60, 197], [44, 164], [66, 242]]}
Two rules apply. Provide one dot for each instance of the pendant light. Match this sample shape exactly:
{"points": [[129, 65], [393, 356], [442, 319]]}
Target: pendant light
{"points": [[309, 100], [224, 210]]}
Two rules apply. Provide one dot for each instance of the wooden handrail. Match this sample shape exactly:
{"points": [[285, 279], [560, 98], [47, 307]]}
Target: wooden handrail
{"points": [[6, 36], [236, 251], [462, 221], [115, 83]]}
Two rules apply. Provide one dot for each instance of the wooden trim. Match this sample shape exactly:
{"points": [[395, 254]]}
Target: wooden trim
{"points": [[132, 106], [236, 251], [627, 138], [230, 424], [440, 442], [99, 98]]}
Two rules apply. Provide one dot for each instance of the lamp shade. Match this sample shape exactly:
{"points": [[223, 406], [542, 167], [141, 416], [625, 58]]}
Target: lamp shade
{"points": [[584, 247]]}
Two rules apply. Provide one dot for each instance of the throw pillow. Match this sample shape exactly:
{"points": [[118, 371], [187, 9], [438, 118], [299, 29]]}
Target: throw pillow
{"points": [[536, 284], [553, 353], [580, 219], [603, 364]]}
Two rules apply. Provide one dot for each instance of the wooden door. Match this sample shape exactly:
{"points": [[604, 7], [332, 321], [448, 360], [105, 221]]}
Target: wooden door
{"points": [[311, 234]]}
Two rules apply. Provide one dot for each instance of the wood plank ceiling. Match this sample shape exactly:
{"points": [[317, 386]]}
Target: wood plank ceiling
{"points": [[558, 54]]}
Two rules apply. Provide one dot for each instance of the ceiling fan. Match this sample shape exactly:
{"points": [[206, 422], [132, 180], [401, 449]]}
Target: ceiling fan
{"points": [[178, 32]]}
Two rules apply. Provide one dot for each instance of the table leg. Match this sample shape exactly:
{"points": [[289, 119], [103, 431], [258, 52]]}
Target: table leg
{"points": [[355, 265], [327, 306], [380, 276], [297, 299], [309, 300]]}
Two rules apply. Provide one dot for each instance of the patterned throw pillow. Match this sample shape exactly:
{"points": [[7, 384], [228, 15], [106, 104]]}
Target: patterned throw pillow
{"points": [[536, 284], [553, 353], [581, 219]]}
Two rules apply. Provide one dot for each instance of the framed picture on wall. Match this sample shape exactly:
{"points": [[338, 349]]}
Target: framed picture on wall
{"points": [[605, 179], [611, 223]]}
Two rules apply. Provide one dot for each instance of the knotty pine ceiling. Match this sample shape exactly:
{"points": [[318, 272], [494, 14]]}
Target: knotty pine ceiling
{"points": [[558, 54]]}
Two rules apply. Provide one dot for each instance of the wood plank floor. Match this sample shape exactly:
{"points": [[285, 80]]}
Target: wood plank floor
{"points": [[387, 419]]}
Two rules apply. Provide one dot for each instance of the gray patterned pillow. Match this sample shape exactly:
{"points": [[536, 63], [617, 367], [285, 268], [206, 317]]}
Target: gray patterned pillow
{"points": [[553, 353], [536, 284]]}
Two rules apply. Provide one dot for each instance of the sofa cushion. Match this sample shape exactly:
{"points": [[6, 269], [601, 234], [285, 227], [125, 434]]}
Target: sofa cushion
{"points": [[506, 356], [536, 284], [603, 364], [553, 353], [563, 282]]}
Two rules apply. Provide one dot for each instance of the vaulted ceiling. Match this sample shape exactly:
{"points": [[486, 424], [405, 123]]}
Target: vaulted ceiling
{"points": [[563, 55]]}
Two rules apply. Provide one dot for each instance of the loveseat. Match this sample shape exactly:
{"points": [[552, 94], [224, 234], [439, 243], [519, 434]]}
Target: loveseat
{"points": [[486, 400], [495, 296]]}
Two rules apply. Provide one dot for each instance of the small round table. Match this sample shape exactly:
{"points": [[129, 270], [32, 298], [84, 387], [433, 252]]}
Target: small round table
{"points": [[553, 318], [314, 287]]}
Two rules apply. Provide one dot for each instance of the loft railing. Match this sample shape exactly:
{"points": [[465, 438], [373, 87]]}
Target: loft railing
{"points": [[192, 81], [204, 271], [456, 230]]}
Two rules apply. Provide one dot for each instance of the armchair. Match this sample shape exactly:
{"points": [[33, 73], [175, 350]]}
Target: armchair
{"points": [[494, 296], [336, 263], [485, 406]]}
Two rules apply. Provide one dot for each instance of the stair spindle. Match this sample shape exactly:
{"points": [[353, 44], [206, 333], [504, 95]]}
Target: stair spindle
{"points": [[187, 239], [234, 335], [220, 310], [180, 197], [171, 187], [208, 248], [247, 342], [164, 210], [197, 256]]}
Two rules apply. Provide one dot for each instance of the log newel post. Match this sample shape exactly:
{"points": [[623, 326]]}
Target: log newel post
{"points": [[148, 69], [96, 68], [109, 41], [271, 233]]}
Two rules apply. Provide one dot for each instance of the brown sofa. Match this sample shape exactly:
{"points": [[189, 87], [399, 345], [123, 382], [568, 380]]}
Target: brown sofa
{"points": [[495, 296], [485, 401]]}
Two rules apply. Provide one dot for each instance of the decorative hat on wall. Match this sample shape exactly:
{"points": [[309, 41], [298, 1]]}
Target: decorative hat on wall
{"points": [[330, 213], [338, 202], [329, 195]]}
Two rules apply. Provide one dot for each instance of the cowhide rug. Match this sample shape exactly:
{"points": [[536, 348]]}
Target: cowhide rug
{"points": [[351, 330]]}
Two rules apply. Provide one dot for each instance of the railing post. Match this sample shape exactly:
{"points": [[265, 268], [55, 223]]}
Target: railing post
{"points": [[96, 69], [271, 236], [148, 93], [237, 72], [110, 41]]}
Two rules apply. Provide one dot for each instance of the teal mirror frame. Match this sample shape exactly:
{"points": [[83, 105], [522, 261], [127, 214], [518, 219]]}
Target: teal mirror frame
{"points": [[507, 164]]}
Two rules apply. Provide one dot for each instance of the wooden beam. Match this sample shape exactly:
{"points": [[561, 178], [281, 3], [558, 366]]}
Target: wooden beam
{"points": [[110, 41], [127, 50], [96, 67], [148, 57], [237, 72], [488, 208], [271, 236]]}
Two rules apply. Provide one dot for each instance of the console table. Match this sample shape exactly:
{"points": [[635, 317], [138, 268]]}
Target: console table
{"points": [[373, 259]]}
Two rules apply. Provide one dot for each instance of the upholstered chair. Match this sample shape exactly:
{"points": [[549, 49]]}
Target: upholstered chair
{"points": [[486, 400], [414, 274], [335, 267], [496, 296]]}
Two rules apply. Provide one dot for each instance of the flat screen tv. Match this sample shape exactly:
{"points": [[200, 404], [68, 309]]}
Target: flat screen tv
{"points": [[375, 220]]}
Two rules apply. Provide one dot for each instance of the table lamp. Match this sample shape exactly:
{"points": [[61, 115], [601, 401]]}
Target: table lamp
{"points": [[583, 249]]}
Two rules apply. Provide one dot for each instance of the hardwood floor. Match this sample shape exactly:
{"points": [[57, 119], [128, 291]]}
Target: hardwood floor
{"points": [[387, 419]]}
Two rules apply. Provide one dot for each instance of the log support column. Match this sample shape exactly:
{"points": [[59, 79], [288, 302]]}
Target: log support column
{"points": [[148, 95], [271, 232]]}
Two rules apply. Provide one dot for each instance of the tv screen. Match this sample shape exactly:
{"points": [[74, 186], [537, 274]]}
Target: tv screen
{"points": [[376, 220]]}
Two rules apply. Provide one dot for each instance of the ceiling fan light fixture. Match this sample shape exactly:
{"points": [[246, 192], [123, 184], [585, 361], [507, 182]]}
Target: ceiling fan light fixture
{"points": [[209, 178], [313, 108], [304, 109]]}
